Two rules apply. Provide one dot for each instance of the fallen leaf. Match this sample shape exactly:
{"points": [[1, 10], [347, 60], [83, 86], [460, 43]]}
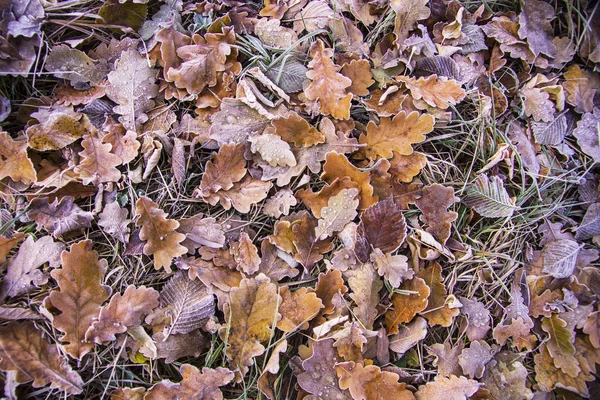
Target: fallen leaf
{"points": [[507, 379], [309, 247], [592, 328], [162, 239], [128, 394], [98, 164], [478, 318], [274, 266], [560, 258], [79, 296], [113, 220], [406, 306], [590, 225], [451, 388], [365, 285], [328, 286], [124, 143], [406, 167], [319, 200], [434, 202], [246, 255], [435, 91], [408, 336], [560, 345], [350, 342], [8, 243], [59, 217], [272, 149], [340, 210], [280, 203], [190, 344], [549, 377], [24, 351], [23, 270], [297, 309], [268, 378], [446, 358], [132, 86], [437, 311], [534, 26], [489, 198], [580, 89], [328, 86], [313, 16], [296, 130], [551, 133], [474, 358], [395, 135], [382, 226], [370, 382], [393, 268], [14, 162], [408, 13], [195, 384], [200, 231], [359, 72], [122, 312], [250, 315], [242, 195], [587, 134], [77, 66]]}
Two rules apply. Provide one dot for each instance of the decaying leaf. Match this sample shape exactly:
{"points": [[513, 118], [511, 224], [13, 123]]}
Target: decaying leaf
{"points": [[365, 284], [507, 378], [447, 358], [14, 162], [308, 246], [393, 268], [382, 226], [59, 217], [98, 164], [159, 232], [280, 203], [266, 381], [560, 257], [489, 197], [200, 231], [408, 13], [273, 150], [195, 384], [437, 311], [368, 382], [406, 306], [80, 295], [122, 312], [73, 65], [434, 202], [250, 315], [590, 226], [296, 130], [587, 134], [25, 352], [246, 255], [474, 358], [560, 345], [435, 91]]}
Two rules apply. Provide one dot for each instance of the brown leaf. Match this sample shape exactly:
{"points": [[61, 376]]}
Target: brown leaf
{"points": [[309, 248], [132, 86], [246, 254], [318, 376], [203, 60], [250, 318], [350, 342], [446, 358], [280, 203], [437, 311], [59, 217], [580, 89], [122, 312], [549, 377], [434, 203], [79, 296], [272, 150], [113, 220], [395, 135], [520, 333], [359, 71], [58, 131], [128, 394], [162, 241], [228, 166], [174, 347], [328, 286], [23, 270], [297, 308], [478, 318], [8, 243], [235, 121], [338, 166], [534, 25], [408, 336], [406, 306], [14, 161], [178, 161], [382, 226], [371, 383], [386, 103], [242, 195], [296, 130], [340, 210], [195, 385], [406, 167], [592, 328], [124, 143], [25, 352], [365, 285], [560, 345], [436, 92], [200, 231], [274, 266], [267, 380], [451, 388], [317, 201], [473, 359], [328, 86], [408, 13], [587, 134], [507, 379], [393, 268]]}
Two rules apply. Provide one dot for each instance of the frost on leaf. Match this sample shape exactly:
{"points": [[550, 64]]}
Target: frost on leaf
{"points": [[23, 270], [340, 210], [162, 241], [24, 352], [434, 203], [560, 345], [227, 167], [79, 296], [58, 130], [14, 162], [406, 306], [437, 311], [272, 149], [451, 388], [590, 225], [98, 164], [309, 247], [297, 308], [245, 254], [251, 313], [489, 197], [408, 336], [534, 26], [59, 217], [382, 226], [338, 166], [132, 86], [73, 65], [587, 134], [365, 284], [328, 86], [560, 257], [434, 91], [446, 358], [114, 221], [408, 13], [296, 130], [194, 385], [393, 268], [473, 359], [366, 382], [122, 312], [280, 203], [396, 134], [242, 195]]}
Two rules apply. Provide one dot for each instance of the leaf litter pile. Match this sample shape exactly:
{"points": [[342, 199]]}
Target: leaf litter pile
{"points": [[330, 199]]}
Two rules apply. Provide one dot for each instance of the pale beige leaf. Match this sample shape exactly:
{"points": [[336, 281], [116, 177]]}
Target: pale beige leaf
{"points": [[272, 149], [114, 221], [408, 336], [340, 210], [451, 388]]}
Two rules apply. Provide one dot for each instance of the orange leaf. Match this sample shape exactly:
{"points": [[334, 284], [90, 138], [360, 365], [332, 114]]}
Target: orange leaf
{"points": [[406, 306], [580, 88], [437, 312], [297, 308], [370, 383], [7, 244], [162, 241], [195, 385], [452, 388], [242, 195], [328, 86], [338, 166], [27, 354], [328, 285], [228, 166], [436, 92], [246, 254], [98, 164], [406, 167], [296, 130], [359, 71], [14, 161], [395, 135], [317, 201], [80, 295]]}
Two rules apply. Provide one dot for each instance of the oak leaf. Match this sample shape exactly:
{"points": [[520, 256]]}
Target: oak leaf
{"points": [[124, 143], [235, 121], [79, 296], [328, 86], [245, 254], [507, 379], [228, 166], [365, 284], [519, 331], [370, 382], [406, 306], [242, 195], [58, 131], [297, 308], [382, 226], [8, 243], [195, 385], [406, 167], [408, 13], [132, 86], [587, 134], [23, 270], [25, 352], [296, 130], [309, 247], [274, 266], [446, 358], [580, 89], [251, 313], [59, 217], [436, 92], [272, 149], [473, 359], [77, 66], [174, 347], [350, 342], [328, 286], [549, 377], [437, 311], [408, 336], [393, 268], [451, 388], [98, 164], [317, 201], [478, 318], [14, 162], [340, 210], [534, 26], [268, 378], [359, 71], [162, 241], [338, 166], [125, 393], [434, 203], [201, 231], [560, 345], [280, 203], [395, 135], [122, 312], [592, 328], [114, 221]]}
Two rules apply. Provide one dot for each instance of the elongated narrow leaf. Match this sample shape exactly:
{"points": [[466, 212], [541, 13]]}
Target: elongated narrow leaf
{"points": [[489, 198]]}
